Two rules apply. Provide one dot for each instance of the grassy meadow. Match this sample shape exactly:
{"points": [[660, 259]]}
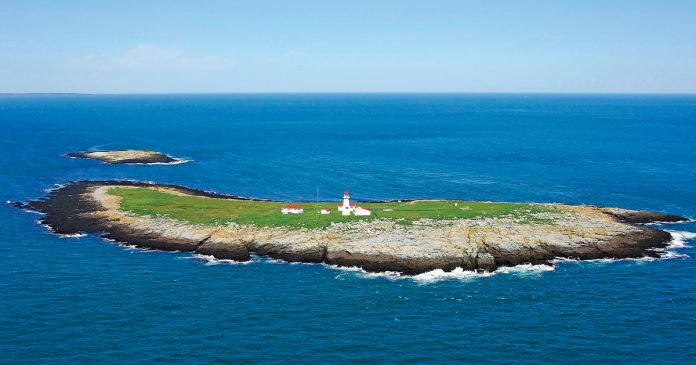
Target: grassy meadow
{"points": [[210, 211]]}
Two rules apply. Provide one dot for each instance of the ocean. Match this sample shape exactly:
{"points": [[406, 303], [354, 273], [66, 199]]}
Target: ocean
{"points": [[83, 300]]}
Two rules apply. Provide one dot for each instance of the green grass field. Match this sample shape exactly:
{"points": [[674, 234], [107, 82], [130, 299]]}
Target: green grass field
{"points": [[207, 211]]}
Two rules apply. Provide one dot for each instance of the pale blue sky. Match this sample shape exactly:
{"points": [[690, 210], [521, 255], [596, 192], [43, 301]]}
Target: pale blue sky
{"points": [[351, 46]]}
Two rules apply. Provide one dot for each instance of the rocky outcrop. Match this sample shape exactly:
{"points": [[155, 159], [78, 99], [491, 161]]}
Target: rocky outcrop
{"points": [[577, 232], [405, 265], [117, 157], [224, 251], [643, 216]]}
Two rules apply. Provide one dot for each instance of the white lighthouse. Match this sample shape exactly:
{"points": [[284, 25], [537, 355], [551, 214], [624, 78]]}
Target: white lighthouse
{"points": [[346, 204], [348, 208]]}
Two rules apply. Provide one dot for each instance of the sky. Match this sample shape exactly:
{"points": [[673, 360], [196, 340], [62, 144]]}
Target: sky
{"points": [[560, 46]]}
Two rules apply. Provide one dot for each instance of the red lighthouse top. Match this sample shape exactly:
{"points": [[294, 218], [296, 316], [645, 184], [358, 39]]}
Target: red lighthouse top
{"points": [[346, 195]]}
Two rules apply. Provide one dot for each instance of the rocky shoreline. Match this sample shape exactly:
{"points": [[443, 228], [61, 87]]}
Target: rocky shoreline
{"points": [[121, 157], [582, 232]]}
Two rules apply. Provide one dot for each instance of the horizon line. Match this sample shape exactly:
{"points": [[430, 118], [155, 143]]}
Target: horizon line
{"points": [[348, 92]]}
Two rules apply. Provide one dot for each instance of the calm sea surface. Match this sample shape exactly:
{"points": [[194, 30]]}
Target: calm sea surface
{"points": [[86, 301]]}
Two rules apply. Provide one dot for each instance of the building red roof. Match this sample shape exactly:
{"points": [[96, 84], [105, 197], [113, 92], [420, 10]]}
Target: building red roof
{"points": [[329, 209], [363, 208], [292, 206]]}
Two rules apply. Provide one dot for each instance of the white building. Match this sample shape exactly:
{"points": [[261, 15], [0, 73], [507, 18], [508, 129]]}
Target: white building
{"points": [[292, 209], [361, 211], [348, 208], [325, 211]]}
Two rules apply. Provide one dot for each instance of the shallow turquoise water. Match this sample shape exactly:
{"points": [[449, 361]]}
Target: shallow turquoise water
{"points": [[84, 300]]}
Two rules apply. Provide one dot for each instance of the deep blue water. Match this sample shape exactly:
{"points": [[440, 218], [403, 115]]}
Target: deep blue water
{"points": [[84, 300]]}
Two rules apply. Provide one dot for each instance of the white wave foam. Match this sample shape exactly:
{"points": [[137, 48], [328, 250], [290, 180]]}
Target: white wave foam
{"points": [[668, 255], [663, 255], [661, 223], [525, 269], [679, 239], [178, 161], [607, 261], [61, 235], [209, 260], [271, 260], [71, 235], [438, 275], [458, 273], [54, 188], [354, 270], [29, 210], [130, 247]]}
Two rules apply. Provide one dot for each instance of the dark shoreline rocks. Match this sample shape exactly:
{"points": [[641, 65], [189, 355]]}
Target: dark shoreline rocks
{"points": [[644, 216], [642, 243], [407, 266], [224, 251], [69, 210]]}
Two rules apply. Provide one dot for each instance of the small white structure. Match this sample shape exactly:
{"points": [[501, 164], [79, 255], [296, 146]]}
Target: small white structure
{"points": [[292, 209], [361, 211], [325, 211], [348, 208]]}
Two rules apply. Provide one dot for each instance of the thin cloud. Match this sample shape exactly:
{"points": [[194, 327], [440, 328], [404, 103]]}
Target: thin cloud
{"points": [[148, 57]]}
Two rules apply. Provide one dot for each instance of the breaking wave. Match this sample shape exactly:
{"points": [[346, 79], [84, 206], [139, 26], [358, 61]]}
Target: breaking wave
{"points": [[54, 188], [525, 269], [679, 239], [178, 161], [50, 229], [209, 260], [71, 235], [438, 275], [345, 271], [270, 260]]}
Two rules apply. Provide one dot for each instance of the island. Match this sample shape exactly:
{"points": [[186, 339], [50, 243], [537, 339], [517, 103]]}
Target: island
{"points": [[406, 236], [118, 157]]}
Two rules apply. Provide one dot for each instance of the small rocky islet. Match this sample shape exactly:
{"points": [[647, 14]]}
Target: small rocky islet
{"points": [[410, 237], [122, 157]]}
